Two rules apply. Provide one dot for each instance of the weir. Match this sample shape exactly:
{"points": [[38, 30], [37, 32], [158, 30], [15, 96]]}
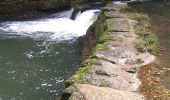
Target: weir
{"points": [[37, 55], [58, 27]]}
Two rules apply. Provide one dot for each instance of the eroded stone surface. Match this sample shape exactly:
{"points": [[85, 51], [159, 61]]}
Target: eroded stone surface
{"points": [[90, 92]]}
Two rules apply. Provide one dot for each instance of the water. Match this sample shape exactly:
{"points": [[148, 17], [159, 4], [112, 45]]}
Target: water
{"points": [[53, 29], [159, 15], [37, 55]]}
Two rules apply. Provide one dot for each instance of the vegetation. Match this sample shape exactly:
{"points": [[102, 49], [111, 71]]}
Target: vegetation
{"points": [[102, 35], [139, 61], [150, 40], [140, 46], [127, 10], [110, 24], [102, 72], [79, 75], [105, 84], [100, 47], [106, 36]]}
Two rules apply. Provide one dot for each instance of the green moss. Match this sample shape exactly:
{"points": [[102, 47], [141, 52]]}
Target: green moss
{"points": [[127, 10], [106, 36], [100, 25], [141, 31], [84, 69], [150, 40], [101, 31], [132, 16], [106, 13], [152, 48], [105, 84], [78, 76], [88, 62], [140, 46], [101, 72], [100, 47], [109, 24]]}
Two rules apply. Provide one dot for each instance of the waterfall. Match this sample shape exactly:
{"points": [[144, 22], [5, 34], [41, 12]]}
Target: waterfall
{"points": [[55, 27]]}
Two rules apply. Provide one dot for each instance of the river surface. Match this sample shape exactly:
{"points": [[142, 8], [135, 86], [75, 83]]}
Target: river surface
{"points": [[37, 55], [159, 15]]}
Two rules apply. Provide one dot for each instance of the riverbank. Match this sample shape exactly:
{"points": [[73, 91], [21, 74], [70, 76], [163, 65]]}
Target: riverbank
{"points": [[121, 48], [155, 76], [28, 9]]}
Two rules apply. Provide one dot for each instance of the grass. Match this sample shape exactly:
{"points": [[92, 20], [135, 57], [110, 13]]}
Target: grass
{"points": [[143, 29], [101, 72], [105, 84], [150, 40]]}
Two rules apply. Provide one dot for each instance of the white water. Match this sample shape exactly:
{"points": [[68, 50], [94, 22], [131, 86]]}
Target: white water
{"points": [[56, 27]]}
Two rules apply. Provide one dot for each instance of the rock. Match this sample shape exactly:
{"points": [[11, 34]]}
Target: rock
{"points": [[90, 92], [116, 56]]}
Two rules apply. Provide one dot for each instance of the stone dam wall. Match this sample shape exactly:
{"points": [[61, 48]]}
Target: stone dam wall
{"points": [[114, 50]]}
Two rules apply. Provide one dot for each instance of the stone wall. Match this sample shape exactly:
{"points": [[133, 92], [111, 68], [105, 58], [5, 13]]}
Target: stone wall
{"points": [[110, 71]]}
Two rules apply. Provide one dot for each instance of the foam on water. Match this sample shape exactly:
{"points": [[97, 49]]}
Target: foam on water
{"points": [[55, 27]]}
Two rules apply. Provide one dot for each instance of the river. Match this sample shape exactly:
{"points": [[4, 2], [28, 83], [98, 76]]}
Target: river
{"points": [[37, 55]]}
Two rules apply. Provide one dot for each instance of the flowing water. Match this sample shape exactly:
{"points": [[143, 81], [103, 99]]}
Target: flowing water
{"points": [[37, 55], [159, 15]]}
